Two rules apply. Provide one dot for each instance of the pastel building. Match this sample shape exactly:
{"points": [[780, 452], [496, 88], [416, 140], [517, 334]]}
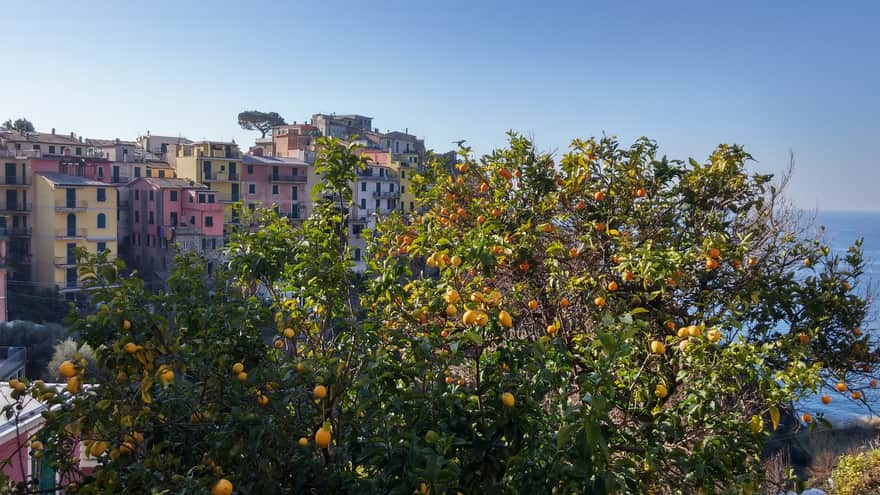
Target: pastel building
{"points": [[15, 213], [4, 315], [276, 182], [215, 164], [70, 211], [166, 213]]}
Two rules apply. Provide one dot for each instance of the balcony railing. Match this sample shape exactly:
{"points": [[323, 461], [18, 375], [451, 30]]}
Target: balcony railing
{"points": [[11, 180], [65, 261], [65, 205], [21, 153], [21, 206], [220, 154], [71, 233], [287, 178], [117, 179], [18, 231], [220, 176], [387, 194]]}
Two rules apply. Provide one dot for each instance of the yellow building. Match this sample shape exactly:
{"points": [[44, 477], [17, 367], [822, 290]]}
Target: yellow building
{"points": [[406, 164], [69, 212], [217, 164]]}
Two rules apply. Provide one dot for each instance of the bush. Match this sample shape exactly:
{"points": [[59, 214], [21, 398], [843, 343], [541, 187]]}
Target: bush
{"points": [[35, 304], [613, 323], [39, 340], [857, 474]]}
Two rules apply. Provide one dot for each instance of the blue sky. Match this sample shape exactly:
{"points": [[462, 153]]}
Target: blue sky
{"points": [[774, 76]]}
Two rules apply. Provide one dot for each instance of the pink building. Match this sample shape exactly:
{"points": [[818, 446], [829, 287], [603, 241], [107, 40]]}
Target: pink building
{"points": [[4, 316], [276, 182], [168, 212]]}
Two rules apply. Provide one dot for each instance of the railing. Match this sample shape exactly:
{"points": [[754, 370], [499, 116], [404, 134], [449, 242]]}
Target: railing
{"points": [[221, 176], [70, 205], [116, 179], [287, 178], [64, 261], [219, 154], [387, 194], [71, 233], [16, 207], [18, 231], [11, 180], [21, 153], [233, 176]]}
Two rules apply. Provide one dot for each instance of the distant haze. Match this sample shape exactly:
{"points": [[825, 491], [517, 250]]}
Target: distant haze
{"points": [[775, 76]]}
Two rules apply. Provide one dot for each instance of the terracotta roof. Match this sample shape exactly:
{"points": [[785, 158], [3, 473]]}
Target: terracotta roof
{"points": [[173, 183], [71, 180]]}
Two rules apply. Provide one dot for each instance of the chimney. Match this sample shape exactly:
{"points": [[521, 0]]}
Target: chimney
{"points": [[53, 131], [72, 136], [117, 140]]}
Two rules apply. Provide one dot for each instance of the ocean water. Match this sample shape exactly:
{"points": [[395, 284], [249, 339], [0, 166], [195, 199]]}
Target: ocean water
{"points": [[842, 229]]}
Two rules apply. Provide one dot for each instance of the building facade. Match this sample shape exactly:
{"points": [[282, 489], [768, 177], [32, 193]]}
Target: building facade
{"points": [[167, 213], [70, 212], [276, 182], [215, 164]]}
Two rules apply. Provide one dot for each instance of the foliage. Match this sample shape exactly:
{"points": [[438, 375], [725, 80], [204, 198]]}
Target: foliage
{"points": [[21, 124], [69, 350], [254, 120], [857, 474], [39, 340], [36, 304], [616, 322]]}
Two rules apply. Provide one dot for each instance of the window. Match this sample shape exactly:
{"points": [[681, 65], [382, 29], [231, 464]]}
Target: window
{"points": [[209, 221], [403, 174], [137, 171], [363, 203], [357, 254], [201, 198], [137, 195], [102, 221], [204, 244], [377, 204], [294, 193], [162, 174], [102, 246], [152, 218], [275, 189], [192, 220], [364, 186], [250, 169], [391, 187], [252, 206], [172, 195], [402, 189], [79, 151], [210, 198], [52, 149], [357, 229], [102, 195], [381, 172], [36, 147], [213, 243], [191, 198], [252, 189], [151, 195], [100, 171], [137, 216], [411, 207], [378, 187]]}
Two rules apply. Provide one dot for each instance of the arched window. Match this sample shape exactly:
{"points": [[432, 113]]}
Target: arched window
{"points": [[102, 221]]}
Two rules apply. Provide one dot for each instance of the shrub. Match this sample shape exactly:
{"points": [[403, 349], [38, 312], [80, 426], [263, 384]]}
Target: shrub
{"points": [[613, 323], [857, 474]]}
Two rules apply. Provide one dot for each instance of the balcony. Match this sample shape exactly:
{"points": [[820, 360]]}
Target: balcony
{"points": [[65, 261], [14, 207], [11, 180], [229, 154], [287, 178], [220, 176], [21, 153], [18, 232], [387, 194], [67, 205], [119, 179], [71, 234]]}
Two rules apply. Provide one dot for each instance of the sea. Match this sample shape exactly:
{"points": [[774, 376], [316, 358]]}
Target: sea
{"points": [[842, 229]]}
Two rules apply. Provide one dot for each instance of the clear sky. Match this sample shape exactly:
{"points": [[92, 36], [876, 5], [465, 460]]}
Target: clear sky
{"points": [[801, 76]]}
